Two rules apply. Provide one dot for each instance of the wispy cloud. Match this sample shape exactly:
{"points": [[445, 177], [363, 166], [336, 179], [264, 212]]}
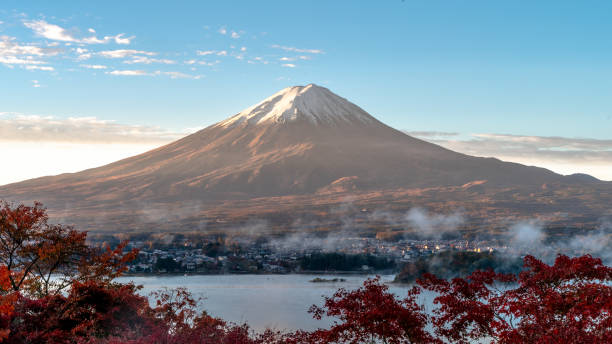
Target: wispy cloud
{"points": [[10, 46], [201, 62], [129, 72], [36, 128], [560, 154], [123, 53], [50, 31], [529, 146], [171, 74], [212, 52], [78, 46], [36, 67], [57, 33], [119, 39], [298, 50], [13, 60], [259, 59], [302, 57], [94, 66], [179, 75], [83, 54], [206, 52], [15, 53], [148, 60]]}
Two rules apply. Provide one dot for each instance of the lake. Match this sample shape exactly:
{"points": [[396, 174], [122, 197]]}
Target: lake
{"points": [[263, 301]]}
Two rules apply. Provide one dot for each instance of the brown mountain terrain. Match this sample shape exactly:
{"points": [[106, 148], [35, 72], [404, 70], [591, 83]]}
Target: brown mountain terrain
{"points": [[299, 155]]}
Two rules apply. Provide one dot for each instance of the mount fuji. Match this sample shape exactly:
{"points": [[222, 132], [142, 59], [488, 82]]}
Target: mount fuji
{"points": [[301, 150]]}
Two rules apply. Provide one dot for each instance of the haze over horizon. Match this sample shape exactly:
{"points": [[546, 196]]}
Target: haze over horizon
{"points": [[88, 84]]}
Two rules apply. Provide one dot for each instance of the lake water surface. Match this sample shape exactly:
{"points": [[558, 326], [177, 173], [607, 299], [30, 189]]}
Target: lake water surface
{"points": [[263, 301]]}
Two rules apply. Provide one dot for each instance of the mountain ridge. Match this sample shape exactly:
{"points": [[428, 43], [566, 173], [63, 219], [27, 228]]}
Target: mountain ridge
{"points": [[304, 140]]}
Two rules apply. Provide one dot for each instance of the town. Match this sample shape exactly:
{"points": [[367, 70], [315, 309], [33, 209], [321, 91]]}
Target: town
{"points": [[349, 255]]}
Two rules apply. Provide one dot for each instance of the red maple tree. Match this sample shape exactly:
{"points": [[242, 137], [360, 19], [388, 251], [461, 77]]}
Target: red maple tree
{"points": [[370, 314], [56, 289], [567, 302]]}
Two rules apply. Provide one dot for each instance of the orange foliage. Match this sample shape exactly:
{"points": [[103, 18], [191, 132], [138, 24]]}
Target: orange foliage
{"points": [[567, 302]]}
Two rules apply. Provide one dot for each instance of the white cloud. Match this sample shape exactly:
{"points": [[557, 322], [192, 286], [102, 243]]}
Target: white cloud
{"points": [[94, 66], [203, 63], [83, 57], [560, 154], [205, 52], [119, 39], [129, 72], [83, 54], [223, 30], [122, 53], [35, 67], [64, 145], [258, 59], [286, 58], [178, 75], [36, 128], [50, 31], [57, 33], [14, 53], [235, 35], [298, 50], [171, 74], [289, 65], [222, 53], [12, 60], [9, 46], [35, 83], [148, 60], [243, 49]]}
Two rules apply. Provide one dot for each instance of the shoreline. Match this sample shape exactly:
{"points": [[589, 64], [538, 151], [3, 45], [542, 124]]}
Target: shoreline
{"points": [[314, 273]]}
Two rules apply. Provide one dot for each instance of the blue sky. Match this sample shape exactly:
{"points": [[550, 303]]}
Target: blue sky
{"points": [[465, 74]]}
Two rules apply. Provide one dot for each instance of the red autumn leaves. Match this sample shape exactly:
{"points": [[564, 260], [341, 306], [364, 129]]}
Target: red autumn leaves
{"points": [[56, 289], [568, 302]]}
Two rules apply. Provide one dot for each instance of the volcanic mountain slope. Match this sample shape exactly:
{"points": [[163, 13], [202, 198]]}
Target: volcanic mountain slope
{"points": [[303, 140]]}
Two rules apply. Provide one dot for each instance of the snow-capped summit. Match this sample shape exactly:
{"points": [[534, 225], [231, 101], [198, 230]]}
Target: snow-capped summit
{"points": [[304, 145], [313, 103]]}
